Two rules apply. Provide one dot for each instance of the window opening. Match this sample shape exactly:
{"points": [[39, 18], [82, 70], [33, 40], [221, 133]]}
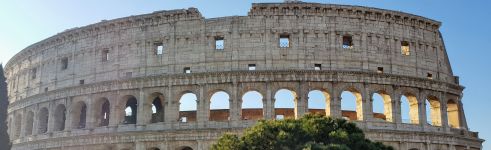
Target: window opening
{"points": [[347, 42], [187, 70], [159, 48], [380, 69], [64, 63], [33, 73], [219, 43], [252, 66], [284, 41], [405, 48], [317, 67], [105, 55], [429, 76]]}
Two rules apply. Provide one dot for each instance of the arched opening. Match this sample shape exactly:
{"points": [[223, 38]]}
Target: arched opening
{"points": [[433, 113], [351, 105], [60, 118], [284, 104], [79, 115], [318, 102], [157, 107], [409, 109], [18, 124], [29, 123], [453, 114], [252, 106], [382, 106], [43, 116], [153, 148], [184, 148], [188, 105], [220, 106], [102, 112], [130, 110]]}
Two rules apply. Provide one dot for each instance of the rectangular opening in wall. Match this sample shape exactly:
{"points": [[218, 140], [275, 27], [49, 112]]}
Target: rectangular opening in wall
{"points": [[183, 119], [280, 117], [405, 48], [187, 69], [45, 89], [429, 76], [105, 55], [33, 73], [159, 48], [81, 82], [252, 66], [128, 74], [284, 41], [317, 67], [347, 41], [64, 63], [380, 69], [219, 43]]}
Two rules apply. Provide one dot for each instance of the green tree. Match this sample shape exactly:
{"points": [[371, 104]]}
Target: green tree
{"points": [[4, 102], [312, 132]]}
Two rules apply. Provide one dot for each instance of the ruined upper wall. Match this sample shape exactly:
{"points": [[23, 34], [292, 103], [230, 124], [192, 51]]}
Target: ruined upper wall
{"points": [[315, 32], [317, 9]]}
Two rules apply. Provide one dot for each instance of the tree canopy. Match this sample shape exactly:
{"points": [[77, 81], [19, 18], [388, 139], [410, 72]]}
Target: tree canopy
{"points": [[312, 132], [4, 137]]}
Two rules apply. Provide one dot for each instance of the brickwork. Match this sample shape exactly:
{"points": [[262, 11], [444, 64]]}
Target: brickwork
{"points": [[70, 91]]}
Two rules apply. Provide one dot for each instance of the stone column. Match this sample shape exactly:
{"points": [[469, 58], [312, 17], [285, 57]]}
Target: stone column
{"points": [[202, 112], [335, 106], [35, 121], [51, 118], [170, 109], [141, 116], [367, 102], [90, 113], [462, 121], [23, 123], [115, 111], [269, 104], [300, 102], [396, 109], [422, 111], [234, 111]]}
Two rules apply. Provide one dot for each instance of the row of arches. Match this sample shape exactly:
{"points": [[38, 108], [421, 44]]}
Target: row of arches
{"points": [[252, 105]]}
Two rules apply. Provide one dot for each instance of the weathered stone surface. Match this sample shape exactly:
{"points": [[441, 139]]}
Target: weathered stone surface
{"points": [[54, 82]]}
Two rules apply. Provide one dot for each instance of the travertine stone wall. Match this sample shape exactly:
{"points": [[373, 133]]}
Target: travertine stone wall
{"points": [[58, 86]]}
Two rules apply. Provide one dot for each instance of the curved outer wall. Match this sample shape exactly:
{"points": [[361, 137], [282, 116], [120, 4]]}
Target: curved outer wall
{"points": [[116, 59]]}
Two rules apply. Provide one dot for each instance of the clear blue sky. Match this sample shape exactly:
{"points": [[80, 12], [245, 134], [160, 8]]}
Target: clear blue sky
{"points": [[466, 30]]}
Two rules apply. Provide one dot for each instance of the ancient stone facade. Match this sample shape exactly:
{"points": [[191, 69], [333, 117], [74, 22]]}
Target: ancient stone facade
{"points": [[70, 91]]}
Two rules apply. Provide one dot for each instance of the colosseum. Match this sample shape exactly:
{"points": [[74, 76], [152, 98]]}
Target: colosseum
{"points": [[118, 84]]}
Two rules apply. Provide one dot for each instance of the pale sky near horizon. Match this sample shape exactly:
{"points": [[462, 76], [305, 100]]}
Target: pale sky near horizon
{"points": [[465, 28]]}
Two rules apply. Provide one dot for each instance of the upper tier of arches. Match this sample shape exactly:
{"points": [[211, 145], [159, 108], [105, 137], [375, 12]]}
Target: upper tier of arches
{"points": [[216, 104]]}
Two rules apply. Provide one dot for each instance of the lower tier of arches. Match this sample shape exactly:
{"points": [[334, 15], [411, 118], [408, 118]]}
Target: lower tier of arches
{"points": [[402, 137]]}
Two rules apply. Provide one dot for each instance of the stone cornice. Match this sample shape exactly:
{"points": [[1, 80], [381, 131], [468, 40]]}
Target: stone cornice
{"points": [[240, 77]]}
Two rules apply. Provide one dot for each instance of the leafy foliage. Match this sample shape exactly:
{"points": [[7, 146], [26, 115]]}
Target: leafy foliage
{"points": [[312, 132], [4, 102]]}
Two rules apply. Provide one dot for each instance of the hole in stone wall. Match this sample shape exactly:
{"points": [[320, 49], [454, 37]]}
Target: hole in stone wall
{"points": [[219, 43], [284, 41], [252, 66], [187, 70], [317, 67], [159, 49], [347, 42], [405, 48]]}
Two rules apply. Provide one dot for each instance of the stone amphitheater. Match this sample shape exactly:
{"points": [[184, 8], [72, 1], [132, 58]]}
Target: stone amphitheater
{"points": [[118, 84]]}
